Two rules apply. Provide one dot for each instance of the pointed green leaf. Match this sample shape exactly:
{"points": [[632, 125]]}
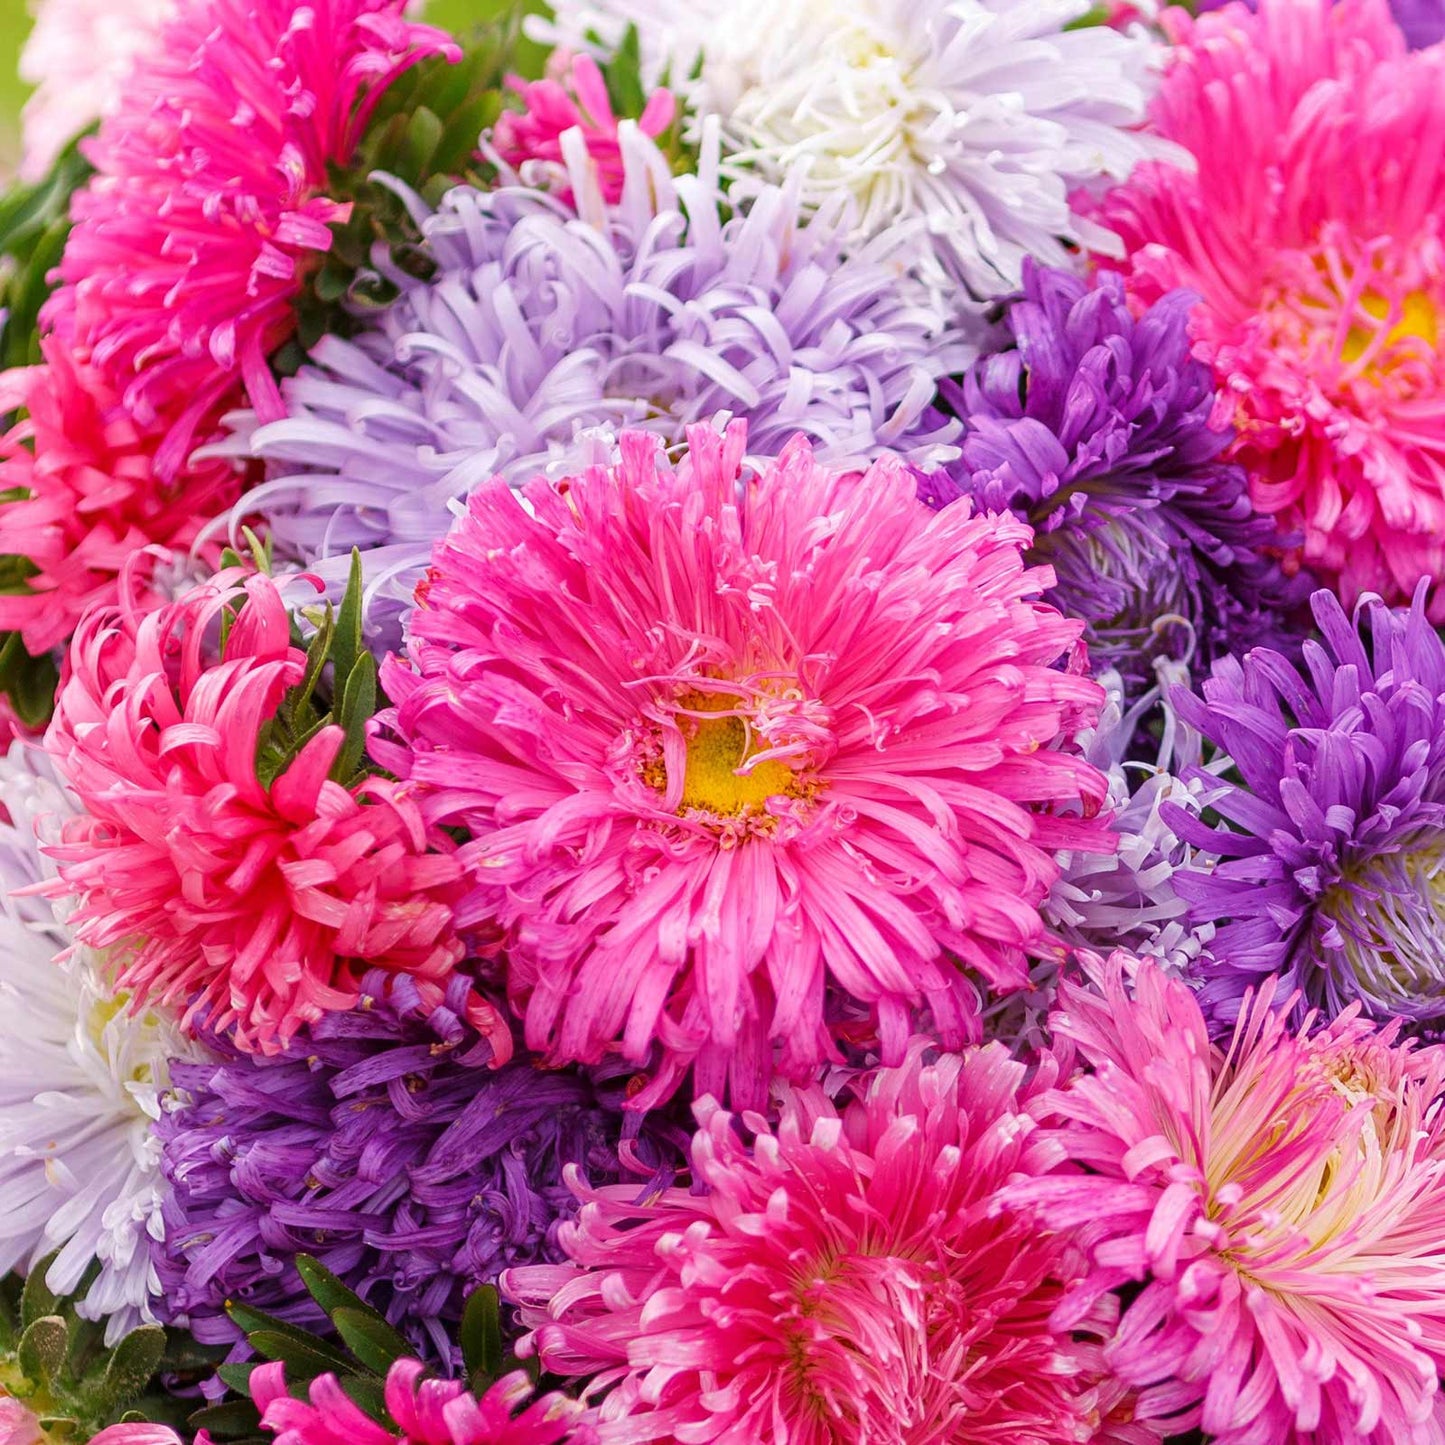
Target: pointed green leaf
{"points": [[304, 1359], [358, 706], [233, 1420], [349, 645], [43, 1348], [481, 1333], [369, 1395], [370, 1338]]}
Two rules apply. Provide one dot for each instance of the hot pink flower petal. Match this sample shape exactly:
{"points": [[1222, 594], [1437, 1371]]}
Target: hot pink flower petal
{"points": [[724, 739], [1311, 232], [847, 1278], [1277, 1209], [263, 904]]}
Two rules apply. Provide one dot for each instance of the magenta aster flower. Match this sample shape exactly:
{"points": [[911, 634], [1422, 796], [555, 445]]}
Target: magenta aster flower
{"points": [[1278, 1208], [721, 738], [262, 900], [1318, 257], [429, 1412], [848, 1278], [190, 244]]}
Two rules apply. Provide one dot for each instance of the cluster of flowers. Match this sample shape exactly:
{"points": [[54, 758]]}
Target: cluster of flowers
{"points": [[772, 695]]}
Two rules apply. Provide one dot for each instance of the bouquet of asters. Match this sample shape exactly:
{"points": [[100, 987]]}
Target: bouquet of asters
{"points": [[724, 724]]}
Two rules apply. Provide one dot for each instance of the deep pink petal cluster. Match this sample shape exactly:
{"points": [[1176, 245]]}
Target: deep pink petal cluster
{"points": [[261, 903], [88, 496], [429, 1412], [1311, 232], [847, 1277], [725, 736], [574, 96], [191, 242], [1276, 1209]]}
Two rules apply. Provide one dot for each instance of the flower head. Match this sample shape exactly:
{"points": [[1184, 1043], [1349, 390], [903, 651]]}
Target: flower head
{"points": [[1280, 1203], [842, 1279], [429, 1412], [1319, 263], [786, 728], [1332, 845], [190, 244], [574, 93], [537, 325], [81, 1081], [399, 1145], [1096, 427], [87, 498], [210, 879], [969, 122]]}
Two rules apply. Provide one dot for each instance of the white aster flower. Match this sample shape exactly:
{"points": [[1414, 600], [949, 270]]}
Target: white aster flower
{"points": [[81, 1079], [979, 116]]}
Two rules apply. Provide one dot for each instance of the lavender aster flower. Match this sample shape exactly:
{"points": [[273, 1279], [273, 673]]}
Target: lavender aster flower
{"points": [[1333, 860], [539, 324], [390, 1145], [1095, 427]]}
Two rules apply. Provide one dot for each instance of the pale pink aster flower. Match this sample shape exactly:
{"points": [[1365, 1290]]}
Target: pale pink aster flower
{"points": [[18, 1423], [723, 736], [261, 901], [429, 1412], [85, 497], [78, 56], [573, 95], [845, 1278], [1313, 233], [1281, 1203], [190, 243]]}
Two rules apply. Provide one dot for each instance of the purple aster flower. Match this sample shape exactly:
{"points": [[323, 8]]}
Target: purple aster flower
{"points": [[1095, 427], [1333, 849], [539, 324], [389, 1145], [1423, 21]]}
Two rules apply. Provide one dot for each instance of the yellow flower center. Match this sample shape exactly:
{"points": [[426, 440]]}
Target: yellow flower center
{"points": [[719, 776], [1418, 320]]}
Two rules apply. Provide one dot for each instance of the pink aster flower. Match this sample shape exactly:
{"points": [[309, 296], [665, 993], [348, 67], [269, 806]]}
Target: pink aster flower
{"points": [[1312, 234], [262, 900], [18, 1423], [429, 1412], [722, 737], [88, 495], [190, 243], [1281, 1202], [574, 95], [843, 1279]]}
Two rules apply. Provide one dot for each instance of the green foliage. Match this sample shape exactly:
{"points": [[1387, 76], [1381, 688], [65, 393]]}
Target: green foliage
{"points": [[338, 687], [34, 223], [59, 1366], [366, 1348]]}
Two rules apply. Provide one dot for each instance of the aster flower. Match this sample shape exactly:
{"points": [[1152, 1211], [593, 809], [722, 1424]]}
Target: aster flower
{"points": [[977, 118], [788, 729], [18, 1424], [399, 1145], [574, 93], [81, 1080], [213, 873], [1281, 1204], [654, 313], [429, 1412], [78, 56], [845, 1278], [1317, 257], [1421, 21], [190, 244], [87, 499], [1332, 840], [1096, 428]]}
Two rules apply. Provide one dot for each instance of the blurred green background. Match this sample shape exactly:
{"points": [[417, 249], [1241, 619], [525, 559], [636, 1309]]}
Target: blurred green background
{"points": [[458, 15]]}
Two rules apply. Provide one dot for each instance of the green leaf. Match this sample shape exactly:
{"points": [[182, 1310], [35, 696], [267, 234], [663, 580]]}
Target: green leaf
{"points": [[233, 1420], [238, 1377], [358, 705], [370, 1338], [37, 1299], [349, 644], [132, 1363], [481, 1334], [43, 1348], [304, 1359], [368, 1395], [332, 1295]]}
